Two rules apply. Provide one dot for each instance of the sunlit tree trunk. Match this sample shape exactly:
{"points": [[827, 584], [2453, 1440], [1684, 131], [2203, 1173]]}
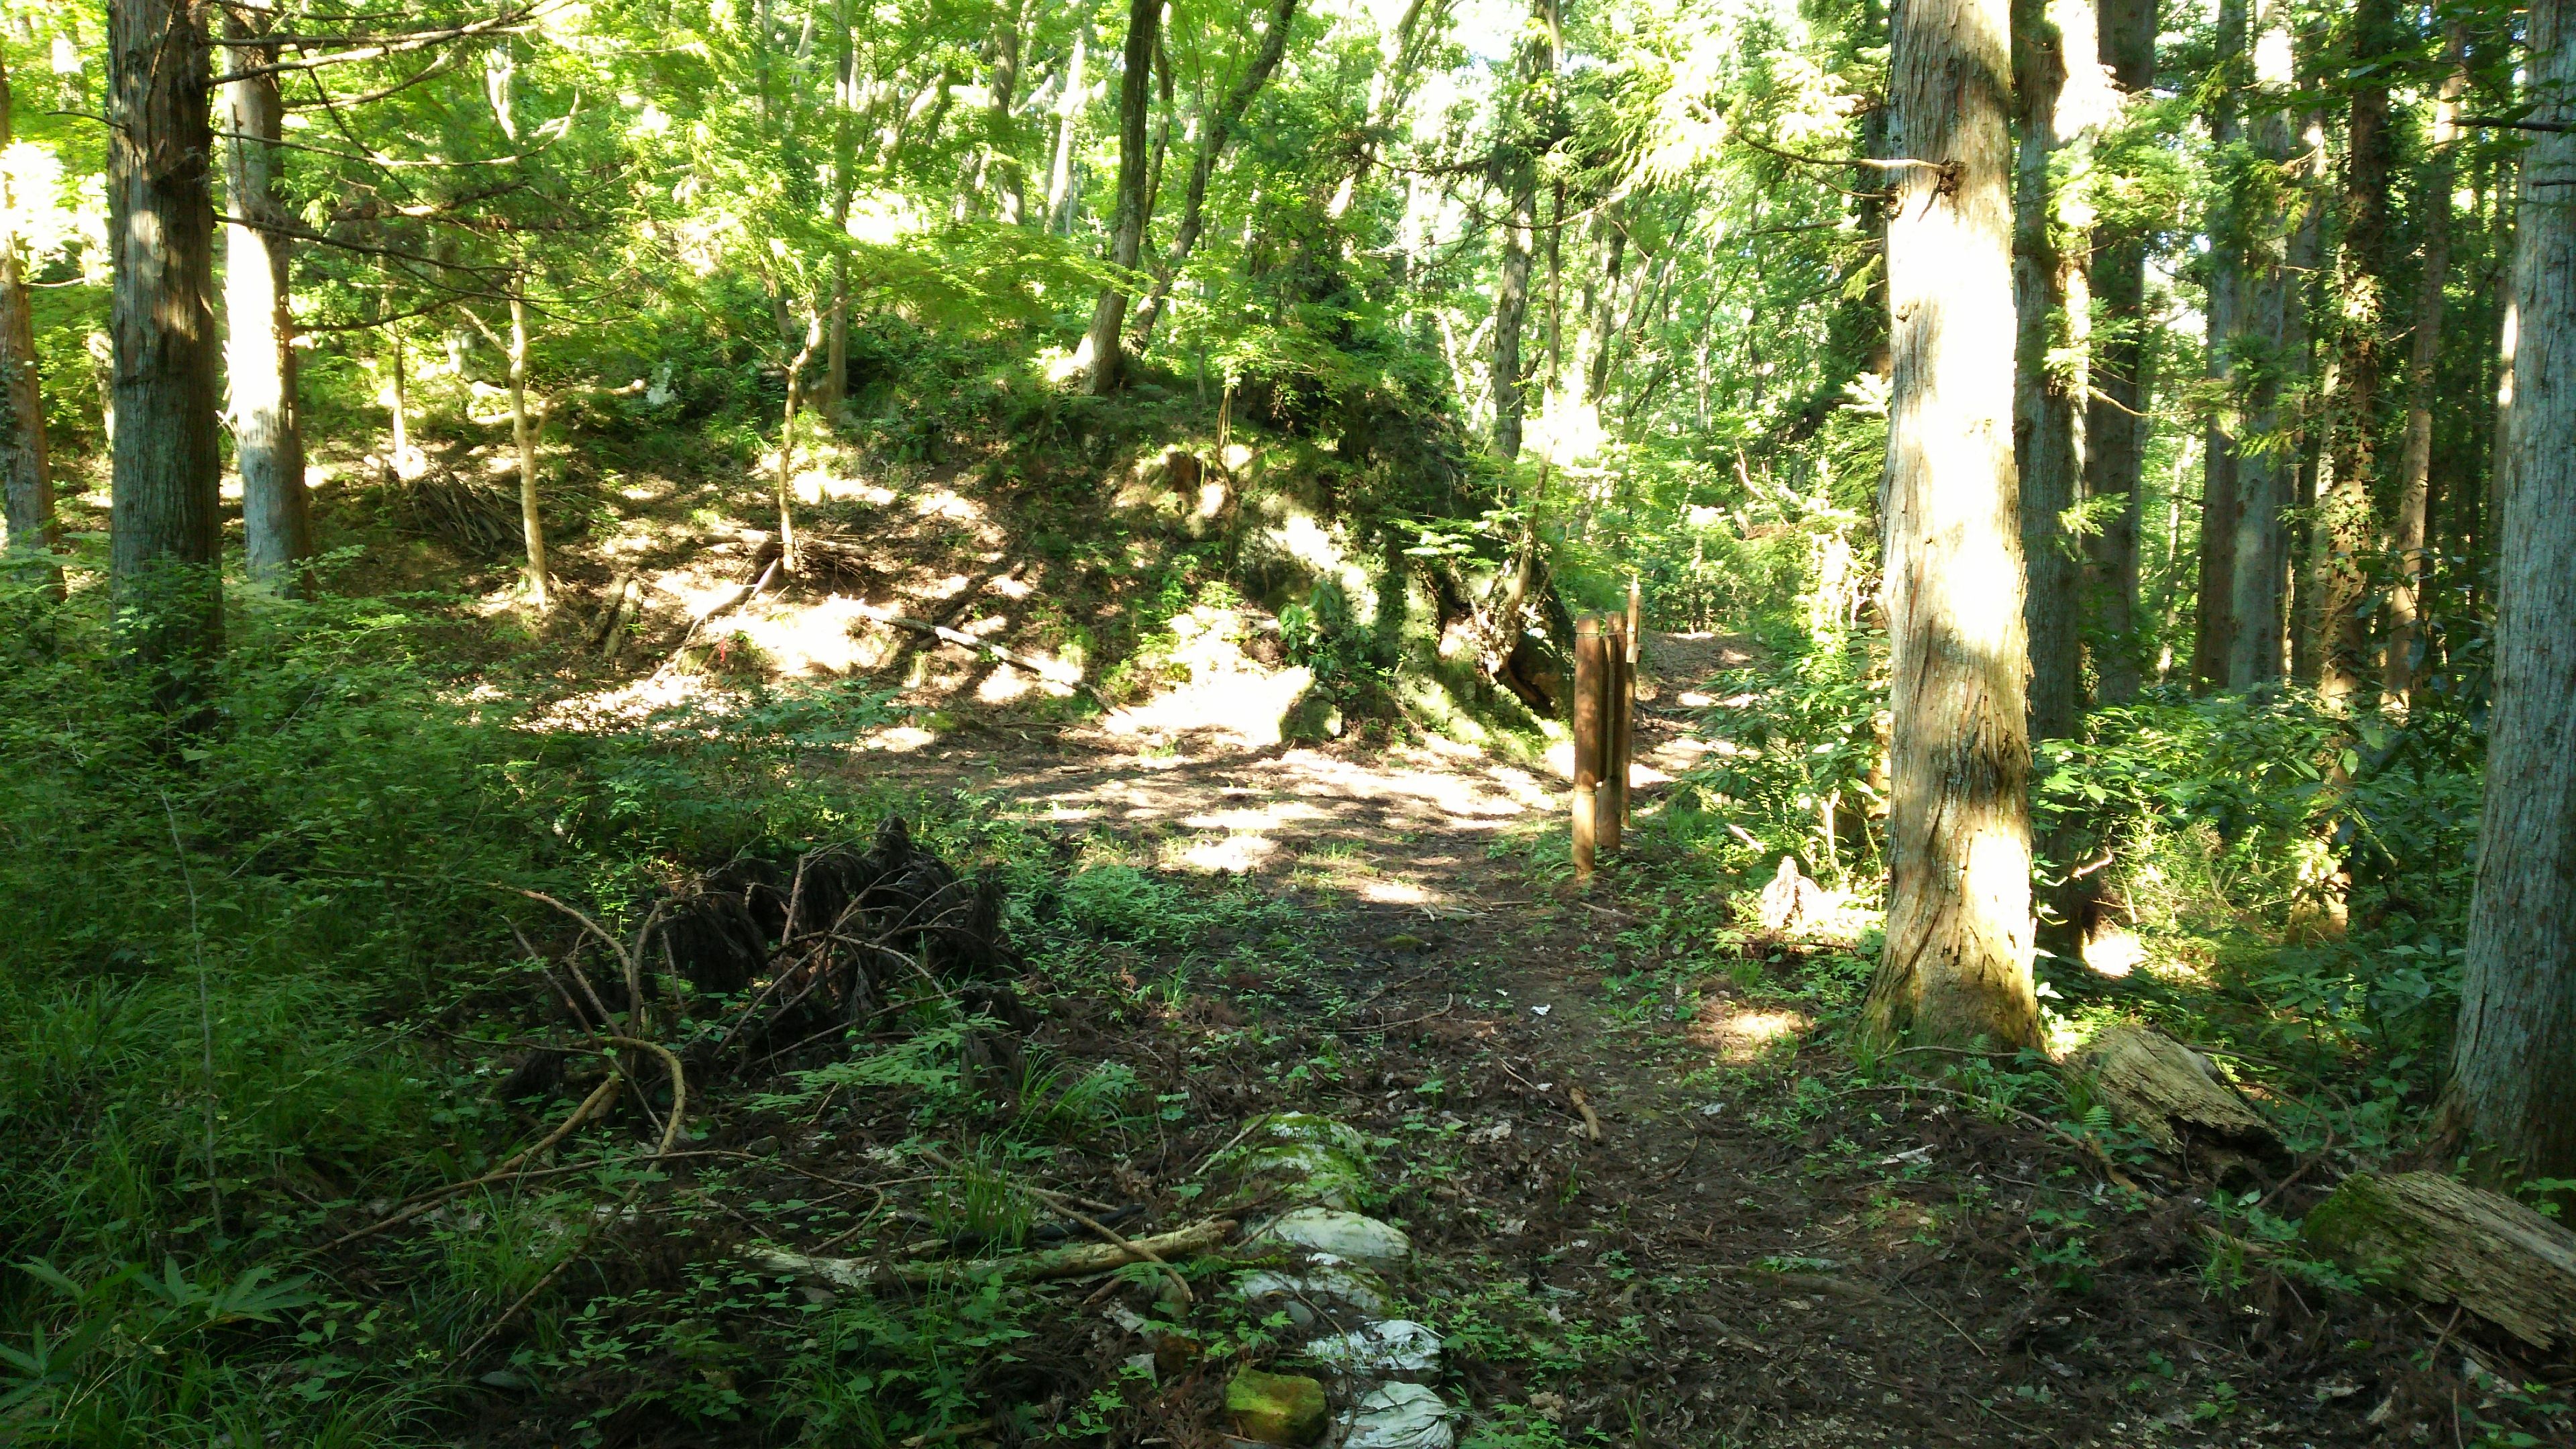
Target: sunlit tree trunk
{"points": [[1518, 179], [166, 524], [2225, 326], [2514, 1072], [2305, 260], [1135, 205], [1956, 965], [523, 433], [26, 471], [2345, 511], [786, 490], [2115, 431], [2064, 95], [2415, 471], [259, 322], [1214, 136], [1068, 114], [2259, 559]]}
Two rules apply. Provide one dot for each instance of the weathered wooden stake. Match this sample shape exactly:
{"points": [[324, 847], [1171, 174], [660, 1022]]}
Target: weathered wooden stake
{"points": [[1591, 671]]}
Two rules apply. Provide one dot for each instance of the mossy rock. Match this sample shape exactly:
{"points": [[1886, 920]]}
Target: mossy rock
{"points": [[1276, 1408], [1300, 1157]]}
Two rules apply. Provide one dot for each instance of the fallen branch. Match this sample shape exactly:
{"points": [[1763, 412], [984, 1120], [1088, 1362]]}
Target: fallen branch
{"points": [[1079, 1260], [740, 598], [1107, 1233], [634, 1190], [597, 1101], [1591, 1119], [1046, 673]]}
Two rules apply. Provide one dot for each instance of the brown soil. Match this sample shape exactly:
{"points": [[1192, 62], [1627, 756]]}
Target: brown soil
{"points": [[1751, 1252]]}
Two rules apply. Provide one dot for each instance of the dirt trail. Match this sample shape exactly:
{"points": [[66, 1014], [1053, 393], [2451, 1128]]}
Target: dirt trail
{"points": [[1747, 1254]]}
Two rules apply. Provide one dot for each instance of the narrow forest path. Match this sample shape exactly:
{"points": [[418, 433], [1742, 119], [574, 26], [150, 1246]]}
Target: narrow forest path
{"points": [[1747, 1253]]}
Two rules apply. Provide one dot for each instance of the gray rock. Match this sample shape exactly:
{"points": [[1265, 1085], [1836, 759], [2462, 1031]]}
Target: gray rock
{"points": [[1353, 1236], [1400, 1416]]}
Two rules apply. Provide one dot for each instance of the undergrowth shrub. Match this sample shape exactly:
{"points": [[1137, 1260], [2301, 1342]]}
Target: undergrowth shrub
{"points": [[232, 953]]}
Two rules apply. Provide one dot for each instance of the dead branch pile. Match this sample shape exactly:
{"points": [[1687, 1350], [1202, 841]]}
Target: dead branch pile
{"points": [[836, 559], [479, 515], [829, 934]]}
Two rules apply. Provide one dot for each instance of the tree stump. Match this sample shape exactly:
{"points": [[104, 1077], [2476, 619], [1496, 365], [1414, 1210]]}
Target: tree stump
{"points": [[2443, 1240], [2162, 1088]]}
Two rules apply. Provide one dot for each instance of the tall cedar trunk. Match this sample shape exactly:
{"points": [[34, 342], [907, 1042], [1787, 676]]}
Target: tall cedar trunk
{"points": [[2345, 510], [2397, 674], [2051, 316], [166, 521], [1213, 139], [2305, 260], [259, 323], [26, 472], [1956, 966], [2259, 558], [523, 433], [2514, 1071], [2225, 324], [1127, 235], [1519, 182], [1068, 112], [845, 165], [2115, 430]]}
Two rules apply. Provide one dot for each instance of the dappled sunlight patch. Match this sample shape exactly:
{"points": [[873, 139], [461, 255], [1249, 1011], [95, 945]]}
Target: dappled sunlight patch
{"points": [[2115, 952], [899, 739], [1232, 854], [1740, 1033], [1398, 893], [948, 503]]}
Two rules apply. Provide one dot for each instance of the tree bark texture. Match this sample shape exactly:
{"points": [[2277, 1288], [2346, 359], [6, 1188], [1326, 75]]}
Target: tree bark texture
{"points": [[2514, 1071], [2424, 349], [2346, 513], [1956, 965], [1127, 233], [2115, 428], [2258, 559], [1517, 177], [165, 524], [259, 322], [26, 470], [1068, 113], [1213, 139], [2224, 314], [523, 432], [845, 164]]}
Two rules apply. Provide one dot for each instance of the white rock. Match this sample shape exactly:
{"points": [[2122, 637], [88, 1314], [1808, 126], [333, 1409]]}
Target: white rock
{"points": [[1395, 1346], [1310, 1295], [1354, 1236], [1400, 1416]]}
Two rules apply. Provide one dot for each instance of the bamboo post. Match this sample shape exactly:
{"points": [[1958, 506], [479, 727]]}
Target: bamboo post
{"points": [[1591, 670]]}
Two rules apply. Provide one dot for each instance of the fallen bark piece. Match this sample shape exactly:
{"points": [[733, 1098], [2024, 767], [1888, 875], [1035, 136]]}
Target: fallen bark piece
{"points": [[2160, 1087], [1066, 1262], [2441, 1239]]}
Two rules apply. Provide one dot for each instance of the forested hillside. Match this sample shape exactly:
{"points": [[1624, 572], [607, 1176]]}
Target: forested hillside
{"points": [[1430, 724]]}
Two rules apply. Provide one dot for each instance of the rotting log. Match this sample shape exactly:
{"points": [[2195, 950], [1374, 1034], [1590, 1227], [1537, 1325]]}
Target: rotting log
{"points": [[2164, 1090], [1073, 1261], [2443, 1240]]}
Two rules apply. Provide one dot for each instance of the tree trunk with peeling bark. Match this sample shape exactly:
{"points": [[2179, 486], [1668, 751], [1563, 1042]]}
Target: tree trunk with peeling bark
{"points": [[1956, 965], [2415, 468], [2514, 1069], [166, 522]]}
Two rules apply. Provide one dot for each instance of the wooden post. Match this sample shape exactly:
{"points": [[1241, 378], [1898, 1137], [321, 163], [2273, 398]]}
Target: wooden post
{"points": [[1614, 726], [1636, 637], [1591, 668]]}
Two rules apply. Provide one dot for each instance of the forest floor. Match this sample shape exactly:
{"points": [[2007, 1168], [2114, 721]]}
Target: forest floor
{"points": [[1748, 1250]]}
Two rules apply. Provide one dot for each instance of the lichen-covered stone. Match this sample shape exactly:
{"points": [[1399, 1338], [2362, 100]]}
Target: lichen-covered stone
{"points": [[1276, 1408], [1400, 1416], [1299, 1156], [1393, 1347], [1354, 1236], [1329, 1291]]}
